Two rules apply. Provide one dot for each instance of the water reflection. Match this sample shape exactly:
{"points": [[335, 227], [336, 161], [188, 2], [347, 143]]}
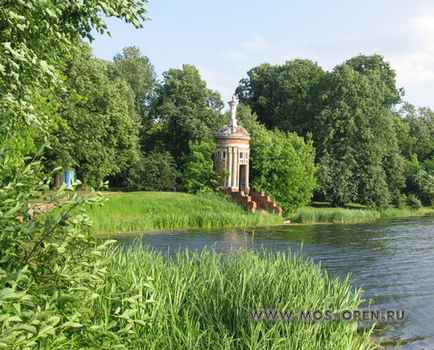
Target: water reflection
{"points": [[391, 260]]}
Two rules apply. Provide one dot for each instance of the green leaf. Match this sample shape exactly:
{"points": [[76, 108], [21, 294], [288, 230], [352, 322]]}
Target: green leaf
{"points": [[54, 320], [72, 324], [14, 319], [67, 298], [46, 330], [31, 329], [141, 322]]}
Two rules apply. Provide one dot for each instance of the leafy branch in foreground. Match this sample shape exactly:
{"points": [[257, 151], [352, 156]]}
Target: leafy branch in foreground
{"points": [[34, 35], [52, 272]]}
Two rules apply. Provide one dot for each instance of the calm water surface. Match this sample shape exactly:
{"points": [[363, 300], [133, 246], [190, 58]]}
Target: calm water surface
{"points": [[392, 260]]}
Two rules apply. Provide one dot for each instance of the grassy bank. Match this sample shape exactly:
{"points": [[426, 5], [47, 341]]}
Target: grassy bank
{"points": [[307, 215], [144, 211], [202, 301]]}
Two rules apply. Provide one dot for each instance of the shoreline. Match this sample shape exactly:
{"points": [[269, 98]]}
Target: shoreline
{"points": [[134, 213], [430, 213]]}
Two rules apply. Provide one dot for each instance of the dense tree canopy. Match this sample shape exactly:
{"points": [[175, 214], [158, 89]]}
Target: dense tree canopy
{"points": [[420, 122], [349, 114], [358, 156], [135, 68], [156, 171], [186, 109], [281, 163], [198, 173], [284, 96], [100, 137], [34, 35]]}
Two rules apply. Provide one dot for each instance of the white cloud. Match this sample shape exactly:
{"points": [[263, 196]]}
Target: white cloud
{"points": [[416, 66], [235, 56], [258, 44], [424, 29], [410, 72]]}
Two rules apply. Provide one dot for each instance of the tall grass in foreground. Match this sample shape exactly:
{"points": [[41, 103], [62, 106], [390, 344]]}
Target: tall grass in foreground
{"points": [[202, 300], [142, 211]]}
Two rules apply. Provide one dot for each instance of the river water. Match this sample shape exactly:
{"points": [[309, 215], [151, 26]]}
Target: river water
{"points": [[392, 260]]}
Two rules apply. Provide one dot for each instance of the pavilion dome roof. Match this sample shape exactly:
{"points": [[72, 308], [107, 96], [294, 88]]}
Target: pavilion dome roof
{"points": [[232, 131]]}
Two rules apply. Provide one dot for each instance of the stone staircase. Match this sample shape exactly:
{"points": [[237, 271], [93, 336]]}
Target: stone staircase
{"points": [[254, 201]]}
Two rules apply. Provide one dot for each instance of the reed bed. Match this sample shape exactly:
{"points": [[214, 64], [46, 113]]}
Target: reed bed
{"points": [[309, 215], [333, 215], [144, 211], [201, 300], [401, 213]]}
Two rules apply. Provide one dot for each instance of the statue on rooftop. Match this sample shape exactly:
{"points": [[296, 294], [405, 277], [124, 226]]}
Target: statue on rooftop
{"points": [[233, 104]]}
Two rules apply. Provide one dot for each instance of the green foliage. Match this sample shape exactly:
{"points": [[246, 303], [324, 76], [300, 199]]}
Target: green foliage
{"points": [[100, 137], [364, 149], [284, 97], [425, 186], [202, 300], [186, 109], [414, 202], [154, 172], [358, 156], [197, 172], [282, 165], [54, 276], [420, 122], [143, 211], [34, 36], [137, 70]]}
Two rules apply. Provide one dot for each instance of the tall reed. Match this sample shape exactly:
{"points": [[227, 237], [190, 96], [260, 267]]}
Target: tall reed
{"points": [[308, 215], [201, 300], [333, 215]]}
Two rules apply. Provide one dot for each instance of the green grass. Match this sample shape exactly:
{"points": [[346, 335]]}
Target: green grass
{"points": [[310, 215], [202, 300], [144, 211], [400, 213], [332, 215]]}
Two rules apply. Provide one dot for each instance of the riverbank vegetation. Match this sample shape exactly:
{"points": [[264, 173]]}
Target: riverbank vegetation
{"points": [[144, 211], [149, 211], [202, 300], [311, 215]]}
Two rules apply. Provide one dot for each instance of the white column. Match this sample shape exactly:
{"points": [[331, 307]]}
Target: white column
{"points": [[229, 163], [235, 168]]}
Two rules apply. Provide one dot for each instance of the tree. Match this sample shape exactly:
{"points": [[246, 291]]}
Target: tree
{"points": [[358, 156], [100, 137], [281, 163], [425, 187], [197, 172], [154, 172], [137, 70], [186, 110], [283, 96], [35, 35], [420, 122]]}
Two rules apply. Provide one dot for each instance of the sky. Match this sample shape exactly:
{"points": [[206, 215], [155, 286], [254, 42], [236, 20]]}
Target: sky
{"points": [[225, 39]]}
